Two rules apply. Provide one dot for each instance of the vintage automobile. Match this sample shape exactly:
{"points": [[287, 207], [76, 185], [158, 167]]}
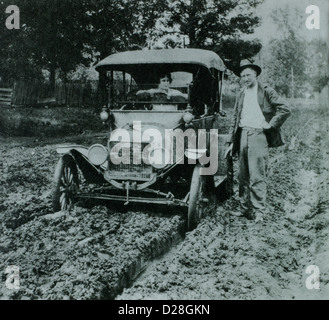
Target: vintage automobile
{"points": [[162, 148]]}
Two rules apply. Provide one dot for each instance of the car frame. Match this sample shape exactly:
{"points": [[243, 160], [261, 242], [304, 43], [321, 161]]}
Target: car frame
{"points": [[143, 169]]}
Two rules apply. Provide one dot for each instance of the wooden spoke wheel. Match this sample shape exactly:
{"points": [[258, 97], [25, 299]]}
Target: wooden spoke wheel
{"points": [[66, 184], [197, 199]]}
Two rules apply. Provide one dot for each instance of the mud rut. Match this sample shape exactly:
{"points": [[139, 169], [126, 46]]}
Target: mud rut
{"points": [[100, 252]]}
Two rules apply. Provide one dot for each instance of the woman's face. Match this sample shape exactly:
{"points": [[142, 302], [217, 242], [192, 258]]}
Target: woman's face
{"points": [[164, 83]]}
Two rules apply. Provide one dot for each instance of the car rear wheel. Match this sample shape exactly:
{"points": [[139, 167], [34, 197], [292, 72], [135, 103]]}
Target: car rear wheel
{"points": [[197, 199], [66, 184]]}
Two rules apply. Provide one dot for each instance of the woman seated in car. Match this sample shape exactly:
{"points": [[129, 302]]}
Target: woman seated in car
{"points": [[163, 88]]}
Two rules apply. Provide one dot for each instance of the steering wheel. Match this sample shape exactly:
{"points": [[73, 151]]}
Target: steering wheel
{"points": [[133, 106], [123, 107], [160, 97]]}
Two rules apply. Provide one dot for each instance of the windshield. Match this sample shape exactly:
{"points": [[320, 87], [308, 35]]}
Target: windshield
{"points": [[161, 91]]}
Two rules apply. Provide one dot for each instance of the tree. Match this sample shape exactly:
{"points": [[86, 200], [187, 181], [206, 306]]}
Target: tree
{"points": [[15, 52], [317, 62], [285, 65], [60, 35], [295, 65], [56, 34], [217, 25], [51, 37], [119, 25], [286, 70]]}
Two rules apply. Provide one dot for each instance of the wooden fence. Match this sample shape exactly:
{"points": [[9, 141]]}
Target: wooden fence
{"points": [[30, 94], [6, 97]]}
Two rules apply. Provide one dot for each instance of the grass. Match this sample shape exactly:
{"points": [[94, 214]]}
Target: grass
{"points": [[48, 122], [57, 121]]}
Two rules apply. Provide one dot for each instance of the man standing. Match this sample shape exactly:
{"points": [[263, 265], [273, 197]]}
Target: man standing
{"points": [[258, 115]]}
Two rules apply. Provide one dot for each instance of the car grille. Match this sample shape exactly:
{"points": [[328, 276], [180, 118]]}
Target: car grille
{"points": [[131, 171]]}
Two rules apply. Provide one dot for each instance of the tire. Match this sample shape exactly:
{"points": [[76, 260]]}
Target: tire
{"points": [[66, 184], [197, 201]]}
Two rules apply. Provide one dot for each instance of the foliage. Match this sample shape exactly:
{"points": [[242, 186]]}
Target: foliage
{"points": [[317, 57], [48, 122], [51, 37], [233, 50], [15, 58], [208, 22], [58, 36], [215, 25], [287, 65], [121, 24], [295, 66]]}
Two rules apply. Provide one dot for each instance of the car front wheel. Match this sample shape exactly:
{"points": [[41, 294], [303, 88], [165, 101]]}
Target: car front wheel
{"points": [[66, 184], [197, 199]]}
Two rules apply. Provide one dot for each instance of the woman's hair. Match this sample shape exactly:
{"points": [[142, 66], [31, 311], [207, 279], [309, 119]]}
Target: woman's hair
{"points": [[163, 75]]}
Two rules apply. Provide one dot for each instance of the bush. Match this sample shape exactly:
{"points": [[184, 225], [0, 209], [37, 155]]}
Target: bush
{"points": [[48, 121]]}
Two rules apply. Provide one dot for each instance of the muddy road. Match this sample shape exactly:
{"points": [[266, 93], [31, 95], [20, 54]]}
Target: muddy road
{"points": [[100, 252]]}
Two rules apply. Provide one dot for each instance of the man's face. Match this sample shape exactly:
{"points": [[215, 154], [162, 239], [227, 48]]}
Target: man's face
{"points": [[249, 77]]}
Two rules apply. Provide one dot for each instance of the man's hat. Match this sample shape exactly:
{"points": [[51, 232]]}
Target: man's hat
{"points": [[248, 63]]}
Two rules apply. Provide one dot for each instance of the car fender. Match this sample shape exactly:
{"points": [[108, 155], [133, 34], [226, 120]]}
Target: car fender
{"points": [[66, 148], [91, 172], [195, 154]]}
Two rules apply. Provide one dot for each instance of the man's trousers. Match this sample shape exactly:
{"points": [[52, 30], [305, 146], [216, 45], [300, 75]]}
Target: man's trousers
{"points": [[253, 163]]}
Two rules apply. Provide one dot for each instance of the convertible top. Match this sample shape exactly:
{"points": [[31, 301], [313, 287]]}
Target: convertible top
{"points": [[176, 58]]}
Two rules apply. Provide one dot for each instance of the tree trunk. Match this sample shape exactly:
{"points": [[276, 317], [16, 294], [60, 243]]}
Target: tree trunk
{"points": [[52, 79], [192, 26], [102, 90], [65, 82]]}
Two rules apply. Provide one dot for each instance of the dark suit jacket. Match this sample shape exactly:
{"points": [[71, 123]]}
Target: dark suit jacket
{"points": [[275, 110]]}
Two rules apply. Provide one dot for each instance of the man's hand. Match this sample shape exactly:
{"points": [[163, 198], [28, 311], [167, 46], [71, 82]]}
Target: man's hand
{"points": [[228, 151], [266, 125]]}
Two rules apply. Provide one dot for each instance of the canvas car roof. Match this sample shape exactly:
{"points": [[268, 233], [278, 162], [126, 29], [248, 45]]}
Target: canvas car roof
{"points": [[181, 58]]}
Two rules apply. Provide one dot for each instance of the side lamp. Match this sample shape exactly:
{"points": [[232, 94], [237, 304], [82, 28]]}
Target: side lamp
{"points": [[104, 115]]}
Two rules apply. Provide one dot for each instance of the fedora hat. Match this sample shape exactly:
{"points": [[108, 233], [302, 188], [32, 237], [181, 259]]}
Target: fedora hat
{"points": [[248, 63]]}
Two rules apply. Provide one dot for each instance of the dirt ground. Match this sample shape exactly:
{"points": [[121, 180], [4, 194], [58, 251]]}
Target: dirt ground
{"points": [[86, 253]]}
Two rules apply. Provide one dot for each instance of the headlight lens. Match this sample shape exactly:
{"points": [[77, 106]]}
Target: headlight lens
{"points": [[97, 154], [159, 158], [104, 115], [188, 117]]}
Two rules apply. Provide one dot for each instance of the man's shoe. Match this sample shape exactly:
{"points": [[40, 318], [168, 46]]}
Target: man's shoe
{"points": [[259, 217], [246, 213], [249, 215], [237, 213]]}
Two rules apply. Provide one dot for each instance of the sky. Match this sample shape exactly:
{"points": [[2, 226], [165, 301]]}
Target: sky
{"points": [[268, 29]]}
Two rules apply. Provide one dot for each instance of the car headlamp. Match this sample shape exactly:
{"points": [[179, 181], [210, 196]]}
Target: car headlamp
{"points": [[97, 154], [104, 115], [188, 117]]}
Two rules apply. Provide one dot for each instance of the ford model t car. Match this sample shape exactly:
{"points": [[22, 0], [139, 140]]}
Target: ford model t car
{"points": [[162, 146]]}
